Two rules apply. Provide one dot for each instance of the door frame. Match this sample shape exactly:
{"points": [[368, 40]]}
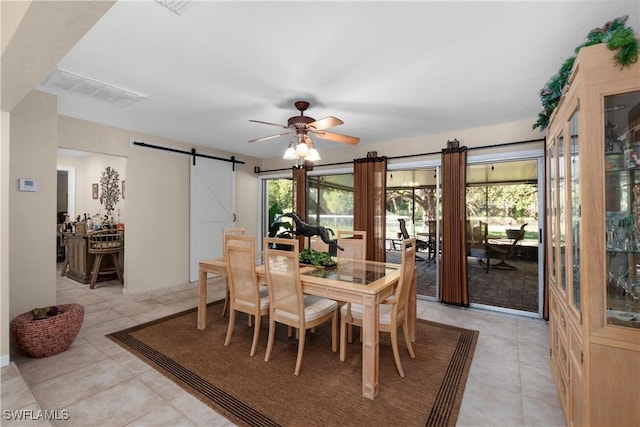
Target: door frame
{"points": [[537, 154]]}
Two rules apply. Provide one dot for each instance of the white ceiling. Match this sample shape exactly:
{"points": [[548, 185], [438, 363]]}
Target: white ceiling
{"points": [[389, 70]]}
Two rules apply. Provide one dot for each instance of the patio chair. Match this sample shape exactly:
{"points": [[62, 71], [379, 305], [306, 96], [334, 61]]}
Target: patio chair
{"points": [[421, 245], [516, 235]]}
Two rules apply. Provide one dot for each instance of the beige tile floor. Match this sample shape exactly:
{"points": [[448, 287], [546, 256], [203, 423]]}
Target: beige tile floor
{"points": [[96, 382]]}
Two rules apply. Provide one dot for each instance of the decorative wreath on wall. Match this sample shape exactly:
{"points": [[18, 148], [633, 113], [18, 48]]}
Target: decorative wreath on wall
{"points": [[109, 189], [617, 35]]}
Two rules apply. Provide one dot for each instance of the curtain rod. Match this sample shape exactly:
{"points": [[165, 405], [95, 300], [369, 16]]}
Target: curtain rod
{"points": [[190, 153], [504, 144]]}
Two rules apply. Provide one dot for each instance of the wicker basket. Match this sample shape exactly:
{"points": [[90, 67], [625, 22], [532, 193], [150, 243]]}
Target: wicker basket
{"points": [[46, 337]]}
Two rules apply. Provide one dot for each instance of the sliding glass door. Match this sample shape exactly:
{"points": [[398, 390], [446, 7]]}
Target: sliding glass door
{"points": [[330, 201], [503, 212], [413, 197]]}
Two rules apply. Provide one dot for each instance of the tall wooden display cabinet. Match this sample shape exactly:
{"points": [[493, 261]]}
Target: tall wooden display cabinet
{"points": [[593, 242]]}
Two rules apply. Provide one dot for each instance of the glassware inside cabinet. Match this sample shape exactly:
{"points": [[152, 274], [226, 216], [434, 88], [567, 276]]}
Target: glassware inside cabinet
{"points": [[622, 201]]}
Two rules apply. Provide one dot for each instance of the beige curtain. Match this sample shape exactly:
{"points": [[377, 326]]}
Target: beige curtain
{"points": [[300, 197], [369, 200], [454, 289]]}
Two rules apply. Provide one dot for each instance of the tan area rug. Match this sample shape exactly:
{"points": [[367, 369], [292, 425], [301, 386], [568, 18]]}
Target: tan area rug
{"points": [[327, 392]]}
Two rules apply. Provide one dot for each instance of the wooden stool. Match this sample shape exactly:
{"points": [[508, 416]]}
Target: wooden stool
{"points": [[106, 242]]}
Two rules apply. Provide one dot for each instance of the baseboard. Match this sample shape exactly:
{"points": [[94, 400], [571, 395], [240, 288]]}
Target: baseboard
{"points": [[4, 360]]}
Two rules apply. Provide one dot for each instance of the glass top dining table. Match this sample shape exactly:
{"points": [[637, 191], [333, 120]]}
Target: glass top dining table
{"points": [[356, 272], [354, 281]]}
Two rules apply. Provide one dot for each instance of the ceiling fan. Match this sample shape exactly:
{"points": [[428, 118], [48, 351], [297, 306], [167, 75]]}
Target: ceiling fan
{"points": [[301, 125]]}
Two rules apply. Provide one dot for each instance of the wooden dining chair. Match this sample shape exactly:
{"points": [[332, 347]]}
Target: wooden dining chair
{"points": [[245, 293], [354, 244], [317, 244], [236, 231], [393, 310], [287, 302]]}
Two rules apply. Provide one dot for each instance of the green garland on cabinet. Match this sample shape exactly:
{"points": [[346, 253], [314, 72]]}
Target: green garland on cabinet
{"points": [[617, 35]]}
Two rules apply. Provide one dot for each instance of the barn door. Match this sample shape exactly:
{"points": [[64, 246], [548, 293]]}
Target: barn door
{"points": [[212, 209]]}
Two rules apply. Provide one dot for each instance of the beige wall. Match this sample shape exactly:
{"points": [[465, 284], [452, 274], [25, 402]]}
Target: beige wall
{"points": [[32, 220], [4, 239], [12, 14]]}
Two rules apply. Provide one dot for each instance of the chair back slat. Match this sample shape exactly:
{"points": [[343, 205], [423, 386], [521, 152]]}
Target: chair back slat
{"points": [[354, 244], [407, 274], [318, 245], [236, 231], [241, 267], [282, 266]]}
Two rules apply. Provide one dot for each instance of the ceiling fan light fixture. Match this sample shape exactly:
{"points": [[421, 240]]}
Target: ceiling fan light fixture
{"points": [[313, 155], [290, 152], [302, 149], [301, 145]]}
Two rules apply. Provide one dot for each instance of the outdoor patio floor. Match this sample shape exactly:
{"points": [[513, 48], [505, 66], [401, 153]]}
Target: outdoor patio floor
{"points": [[515, 289]]}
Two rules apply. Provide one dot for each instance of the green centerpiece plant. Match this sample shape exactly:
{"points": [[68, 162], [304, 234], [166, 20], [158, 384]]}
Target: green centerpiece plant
{"points": [[316, 258], [278, 226]]}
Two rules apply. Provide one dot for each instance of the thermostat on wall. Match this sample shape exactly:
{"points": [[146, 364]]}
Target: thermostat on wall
{"points": [[28, 184]]}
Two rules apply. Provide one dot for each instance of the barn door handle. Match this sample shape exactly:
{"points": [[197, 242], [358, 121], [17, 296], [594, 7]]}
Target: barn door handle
{"points": [[234, 217]]}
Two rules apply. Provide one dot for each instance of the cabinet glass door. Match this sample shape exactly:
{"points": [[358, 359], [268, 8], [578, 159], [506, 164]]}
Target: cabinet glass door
{"points": [[562, 207], [622, 204], [575, 210], [553, 209]]}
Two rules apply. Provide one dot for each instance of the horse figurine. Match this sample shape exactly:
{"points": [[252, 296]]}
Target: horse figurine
{"points": [[304, 229]]}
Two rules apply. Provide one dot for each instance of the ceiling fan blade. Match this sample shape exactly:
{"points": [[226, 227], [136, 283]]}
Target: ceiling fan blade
{"points": [[343, 139], [271, 124], [265, 138], [325, 123]]}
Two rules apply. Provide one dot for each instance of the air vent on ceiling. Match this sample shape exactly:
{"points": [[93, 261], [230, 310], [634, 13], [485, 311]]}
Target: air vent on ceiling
{"points": [[177, 7], [77, 83]]}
